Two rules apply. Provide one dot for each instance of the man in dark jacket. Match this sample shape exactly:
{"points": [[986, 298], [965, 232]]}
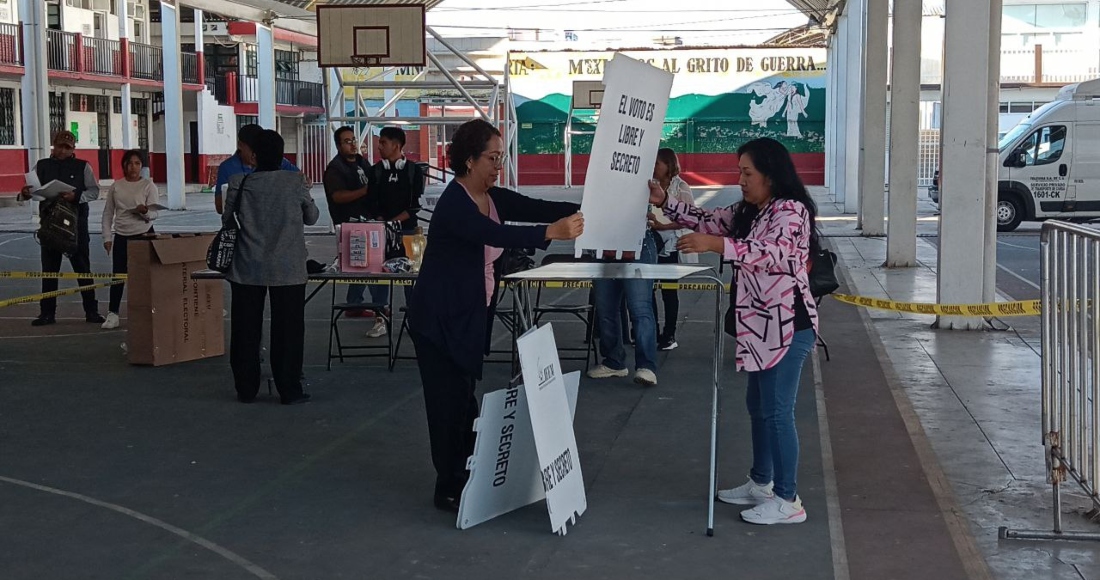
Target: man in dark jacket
{"points": [[63, 166], [345, 184]]}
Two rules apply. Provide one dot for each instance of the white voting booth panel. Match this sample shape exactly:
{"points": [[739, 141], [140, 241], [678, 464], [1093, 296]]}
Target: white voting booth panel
{"points": [[525, 447], [624, 150], [504, 469]]}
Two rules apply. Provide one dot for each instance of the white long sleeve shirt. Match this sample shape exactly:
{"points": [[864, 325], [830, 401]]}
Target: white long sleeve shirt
{"points": [[124, 196]]}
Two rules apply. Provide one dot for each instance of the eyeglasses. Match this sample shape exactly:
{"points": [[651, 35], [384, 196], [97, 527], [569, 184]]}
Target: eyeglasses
{"points": [[496, 160], [348, 141]]}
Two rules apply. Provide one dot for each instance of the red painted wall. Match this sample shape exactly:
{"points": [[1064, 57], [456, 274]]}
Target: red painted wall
{"points": [[12, 164], [695, 168]]}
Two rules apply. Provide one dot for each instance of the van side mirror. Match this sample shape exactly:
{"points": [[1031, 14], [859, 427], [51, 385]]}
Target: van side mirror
{"points": [[1016, 159]]}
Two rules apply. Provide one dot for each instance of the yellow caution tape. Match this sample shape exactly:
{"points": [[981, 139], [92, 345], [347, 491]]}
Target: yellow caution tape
{"points": [[55, 294], [61, 276], [1019, 308]]}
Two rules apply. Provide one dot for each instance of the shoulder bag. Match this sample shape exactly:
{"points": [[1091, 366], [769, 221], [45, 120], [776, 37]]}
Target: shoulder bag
{"points": [[219, 256]]}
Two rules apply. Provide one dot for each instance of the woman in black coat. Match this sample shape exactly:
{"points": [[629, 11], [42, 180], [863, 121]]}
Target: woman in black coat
{"points": [[451, 309]]}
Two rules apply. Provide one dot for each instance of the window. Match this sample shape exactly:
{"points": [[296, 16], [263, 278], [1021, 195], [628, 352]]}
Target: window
{"points": [[243, 120], [1029, 17], [1004, 107], [286, 64], [250, 64], [57, 113], [7, 116], [1044, 146]]}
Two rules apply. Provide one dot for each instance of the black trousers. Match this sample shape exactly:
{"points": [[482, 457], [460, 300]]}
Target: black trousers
{"points": [[451, 408], [288, 330], [671, 299], [80, 261], [119, 257]]}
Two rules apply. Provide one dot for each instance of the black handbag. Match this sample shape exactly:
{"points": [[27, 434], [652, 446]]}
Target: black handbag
{"points": [[729, 323], [822, 273], [59, 225], [219, 256]]}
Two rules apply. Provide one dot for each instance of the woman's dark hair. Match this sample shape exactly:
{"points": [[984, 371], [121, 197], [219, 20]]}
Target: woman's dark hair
{"points": [[130, 154], [268, 148], [469, 142], [668, 157], [772, 160]]}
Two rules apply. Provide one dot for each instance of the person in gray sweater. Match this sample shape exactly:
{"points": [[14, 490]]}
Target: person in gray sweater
{"points": [[273, 207]]}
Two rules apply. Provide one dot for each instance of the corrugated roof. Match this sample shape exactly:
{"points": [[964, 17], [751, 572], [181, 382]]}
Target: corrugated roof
{"points": [[306, 4]]}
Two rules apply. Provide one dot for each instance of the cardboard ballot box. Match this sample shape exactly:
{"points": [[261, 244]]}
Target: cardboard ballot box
{"points": [[172, 318]]}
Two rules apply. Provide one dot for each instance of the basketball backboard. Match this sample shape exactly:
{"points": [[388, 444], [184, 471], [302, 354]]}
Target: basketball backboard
{"points": [[587, 94], [370, 35]]}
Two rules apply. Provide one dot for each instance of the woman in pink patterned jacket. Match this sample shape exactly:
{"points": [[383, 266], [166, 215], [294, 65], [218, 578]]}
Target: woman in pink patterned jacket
{"points": [[767, 236]]}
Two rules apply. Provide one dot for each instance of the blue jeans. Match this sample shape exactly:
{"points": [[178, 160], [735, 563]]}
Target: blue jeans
{"points": [[379, 293], [639, 304], [770, 399]]}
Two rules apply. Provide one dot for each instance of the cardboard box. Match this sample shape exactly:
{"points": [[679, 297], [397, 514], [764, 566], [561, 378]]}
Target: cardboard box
{"points": [[172, 318], [362, 247]]}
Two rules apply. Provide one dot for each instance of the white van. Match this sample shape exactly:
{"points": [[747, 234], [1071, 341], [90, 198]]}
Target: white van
{"points": [[1050, 162]]}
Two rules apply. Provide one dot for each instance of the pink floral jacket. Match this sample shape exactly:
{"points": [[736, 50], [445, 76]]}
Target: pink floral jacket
{"points": [[770, 264]]}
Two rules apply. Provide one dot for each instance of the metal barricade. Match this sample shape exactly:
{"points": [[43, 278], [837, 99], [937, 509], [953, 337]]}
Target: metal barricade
{"points": [[1070, 260]]}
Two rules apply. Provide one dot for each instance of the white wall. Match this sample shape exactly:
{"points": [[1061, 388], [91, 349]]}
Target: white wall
{"points": [[88, 128], [218, 127], [9, 11]]}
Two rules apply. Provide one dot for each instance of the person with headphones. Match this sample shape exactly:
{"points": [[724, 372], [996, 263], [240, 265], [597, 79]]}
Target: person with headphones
{"points": [[395, 186]]}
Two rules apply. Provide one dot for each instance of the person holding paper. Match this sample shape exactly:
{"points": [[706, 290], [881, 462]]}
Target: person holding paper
{"points": [[63, 166], [451, 310], [768, 237], [346, 182], [272, 207], [667, 173], [128, 214]]}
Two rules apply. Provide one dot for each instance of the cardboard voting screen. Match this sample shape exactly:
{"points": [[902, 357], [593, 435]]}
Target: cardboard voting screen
{"points": [[504, 469], [624, 150], [559, 462]]}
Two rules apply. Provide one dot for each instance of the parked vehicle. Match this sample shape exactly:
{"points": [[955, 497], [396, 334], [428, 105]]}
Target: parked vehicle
{"points": [[934, 189], [1050, 162]]}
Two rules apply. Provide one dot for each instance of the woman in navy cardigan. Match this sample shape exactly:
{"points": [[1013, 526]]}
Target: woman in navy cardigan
{"points": [[451, 309]]}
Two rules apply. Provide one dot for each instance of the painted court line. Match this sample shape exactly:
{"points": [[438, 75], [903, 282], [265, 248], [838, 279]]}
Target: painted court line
{"points": [[832, 496], [228, 555]]}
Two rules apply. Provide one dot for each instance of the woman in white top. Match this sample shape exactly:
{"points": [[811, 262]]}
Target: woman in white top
{"points": [[126, 215], [667, 172]]}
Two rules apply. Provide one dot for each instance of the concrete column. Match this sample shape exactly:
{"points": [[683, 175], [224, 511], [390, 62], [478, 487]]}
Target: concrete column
{"points": [[965, 138], [853, 157], [901, 239], [989, 279], [840, 117], [173, 103], [199, 96], [873, 163], [124, 42], [830, 113], [35, 103], [265, 71], [337, 107]]}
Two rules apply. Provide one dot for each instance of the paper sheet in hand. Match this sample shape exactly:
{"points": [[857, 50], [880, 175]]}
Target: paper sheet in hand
{"points": [[152, 207], [52, 190], [624, 150]]}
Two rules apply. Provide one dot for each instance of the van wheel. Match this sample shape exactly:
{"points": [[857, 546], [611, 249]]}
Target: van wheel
{"points": [[1010, 212]]}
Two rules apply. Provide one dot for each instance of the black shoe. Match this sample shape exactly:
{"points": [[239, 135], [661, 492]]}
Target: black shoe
{"points": [[94, 317], [43, 321], [304, 398], [446, 503]]}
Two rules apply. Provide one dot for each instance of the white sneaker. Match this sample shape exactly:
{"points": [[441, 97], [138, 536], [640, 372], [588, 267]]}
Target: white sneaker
{"points": [[645, 377], [748, 494], [605, 372], [379, 329], [776, 511], [111, 322]]}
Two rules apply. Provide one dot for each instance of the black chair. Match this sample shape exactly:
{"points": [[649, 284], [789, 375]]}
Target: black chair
{"points": [[584, 312], [337, 312]]}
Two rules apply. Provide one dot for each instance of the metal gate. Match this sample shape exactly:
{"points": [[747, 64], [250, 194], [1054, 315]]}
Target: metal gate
{"points": [[314, 148]]}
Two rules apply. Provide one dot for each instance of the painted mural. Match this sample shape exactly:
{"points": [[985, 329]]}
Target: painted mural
{"points": [[721, 98]]}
